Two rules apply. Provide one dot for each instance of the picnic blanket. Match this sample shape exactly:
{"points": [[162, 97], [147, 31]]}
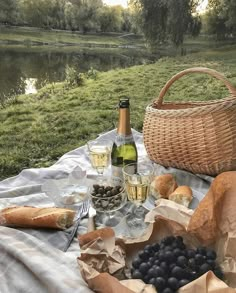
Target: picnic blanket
{"points": [[31, 261]]}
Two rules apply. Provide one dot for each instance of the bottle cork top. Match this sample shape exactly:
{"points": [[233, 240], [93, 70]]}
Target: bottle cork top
{"points": [[124, 102]]}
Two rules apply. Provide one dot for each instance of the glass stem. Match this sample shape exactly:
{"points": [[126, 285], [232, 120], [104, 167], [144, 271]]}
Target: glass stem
{"points": [[139, 212]]}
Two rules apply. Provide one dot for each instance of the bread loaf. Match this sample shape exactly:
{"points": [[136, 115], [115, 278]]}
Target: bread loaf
{"points": [[32, 217], [163, 185], [182, 195]]}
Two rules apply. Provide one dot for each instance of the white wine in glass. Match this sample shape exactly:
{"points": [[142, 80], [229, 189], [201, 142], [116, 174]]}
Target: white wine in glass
{"points": [[100, 154], [137, 179]]}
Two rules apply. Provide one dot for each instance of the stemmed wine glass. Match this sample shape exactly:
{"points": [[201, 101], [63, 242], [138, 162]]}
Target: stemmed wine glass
{"points": [[100, 154], [137, 179]]}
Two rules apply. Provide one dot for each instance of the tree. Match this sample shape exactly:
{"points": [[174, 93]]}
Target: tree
{"points": [[221, 18], [86, 13], [110, 18], [8, 11], [166, 19]]}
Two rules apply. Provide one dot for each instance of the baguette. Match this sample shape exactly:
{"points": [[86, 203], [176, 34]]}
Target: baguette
{"points": [[32, 217]]}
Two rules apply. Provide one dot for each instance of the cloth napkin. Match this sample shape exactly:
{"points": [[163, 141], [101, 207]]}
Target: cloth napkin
{"points": [[58, 239]]}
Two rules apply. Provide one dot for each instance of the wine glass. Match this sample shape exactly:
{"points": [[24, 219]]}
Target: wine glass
{"points": [[137, 179], [100, 154], [107, 199]]}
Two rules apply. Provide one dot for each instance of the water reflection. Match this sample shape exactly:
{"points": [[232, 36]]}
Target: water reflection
{"points": [[30, 86], [25, 70]]}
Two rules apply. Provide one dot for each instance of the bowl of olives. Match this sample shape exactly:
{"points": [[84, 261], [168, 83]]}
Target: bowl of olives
{"points": [[109, 195]]}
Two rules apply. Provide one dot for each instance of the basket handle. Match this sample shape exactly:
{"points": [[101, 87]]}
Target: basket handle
{"points": [[211, 72]]}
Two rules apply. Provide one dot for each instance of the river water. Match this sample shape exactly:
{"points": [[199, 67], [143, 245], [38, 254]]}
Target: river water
{"points": [[24, 70]]}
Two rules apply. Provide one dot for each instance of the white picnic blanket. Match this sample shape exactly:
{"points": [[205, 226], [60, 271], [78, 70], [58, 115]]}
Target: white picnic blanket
{"points": [[28, 264]]}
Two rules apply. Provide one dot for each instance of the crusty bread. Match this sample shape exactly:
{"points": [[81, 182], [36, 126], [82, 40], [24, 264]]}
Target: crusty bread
{"points": [[182, 195], [32, 217], [163, 185], [215, 215]]}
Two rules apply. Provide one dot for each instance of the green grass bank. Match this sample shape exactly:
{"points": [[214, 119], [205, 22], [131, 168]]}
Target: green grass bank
{"points": [[36, 130]]}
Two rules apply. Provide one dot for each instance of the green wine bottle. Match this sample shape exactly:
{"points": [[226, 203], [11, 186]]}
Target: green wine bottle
{"points": [[124, 150]]}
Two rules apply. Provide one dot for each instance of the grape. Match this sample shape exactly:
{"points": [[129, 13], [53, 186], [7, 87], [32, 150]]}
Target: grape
{"points": [[204, 268], [182, 261], [212, 263], [137, 275], [167, 240], [156, 246], [201, 250], [157, 262], [169, 265], [174, 245], [199, 259], [177, 252], [162, 256], [151, 259], [167, 290], [183, 282], [144, 255], [190, 253], [211, 254], [146, 279], [168, 247], [136, 262], [144, 267], [148, 248], [173, 283], [159, 272], [169, 257], [151, 272], [152, 281], [164, 266], [194, 275], [178, 272], [192, 263], [160, 283]]}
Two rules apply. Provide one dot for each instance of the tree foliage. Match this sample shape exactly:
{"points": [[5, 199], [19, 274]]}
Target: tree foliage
{"points": [[221, 18], [167, 19], [8, 11], [83, 15]]}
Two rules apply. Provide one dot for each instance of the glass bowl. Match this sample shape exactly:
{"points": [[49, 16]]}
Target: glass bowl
{"points": [[108, 196]]}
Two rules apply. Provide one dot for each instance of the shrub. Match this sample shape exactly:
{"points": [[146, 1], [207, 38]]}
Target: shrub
{"points": [[74, 78]]}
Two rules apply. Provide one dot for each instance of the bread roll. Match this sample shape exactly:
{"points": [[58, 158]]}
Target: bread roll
{"points": [[182, 195], [163, 186], [32, 217]]}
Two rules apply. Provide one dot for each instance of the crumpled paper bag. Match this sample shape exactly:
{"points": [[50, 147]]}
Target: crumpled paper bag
{"points": [[101, 255], [212, 223]]}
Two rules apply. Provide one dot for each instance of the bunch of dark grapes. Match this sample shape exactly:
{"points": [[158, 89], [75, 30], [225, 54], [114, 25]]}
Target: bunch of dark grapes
{"points": [[169, 265]]}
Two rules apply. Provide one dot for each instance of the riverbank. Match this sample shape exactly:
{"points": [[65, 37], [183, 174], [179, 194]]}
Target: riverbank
{"points": [[37, 130], [29, 37]]}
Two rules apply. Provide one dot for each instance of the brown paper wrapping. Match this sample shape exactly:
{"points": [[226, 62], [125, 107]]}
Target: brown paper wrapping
{"points": [[213, 223]]}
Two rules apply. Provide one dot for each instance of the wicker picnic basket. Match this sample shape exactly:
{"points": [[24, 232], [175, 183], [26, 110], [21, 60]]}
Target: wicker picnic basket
{"points": [[199, 137]]}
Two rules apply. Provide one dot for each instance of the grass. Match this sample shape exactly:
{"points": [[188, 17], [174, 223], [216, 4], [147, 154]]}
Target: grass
{"points": [[37, 130]]}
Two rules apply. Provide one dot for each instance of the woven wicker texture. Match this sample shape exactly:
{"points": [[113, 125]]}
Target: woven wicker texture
{"points": [[199, 137]]}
